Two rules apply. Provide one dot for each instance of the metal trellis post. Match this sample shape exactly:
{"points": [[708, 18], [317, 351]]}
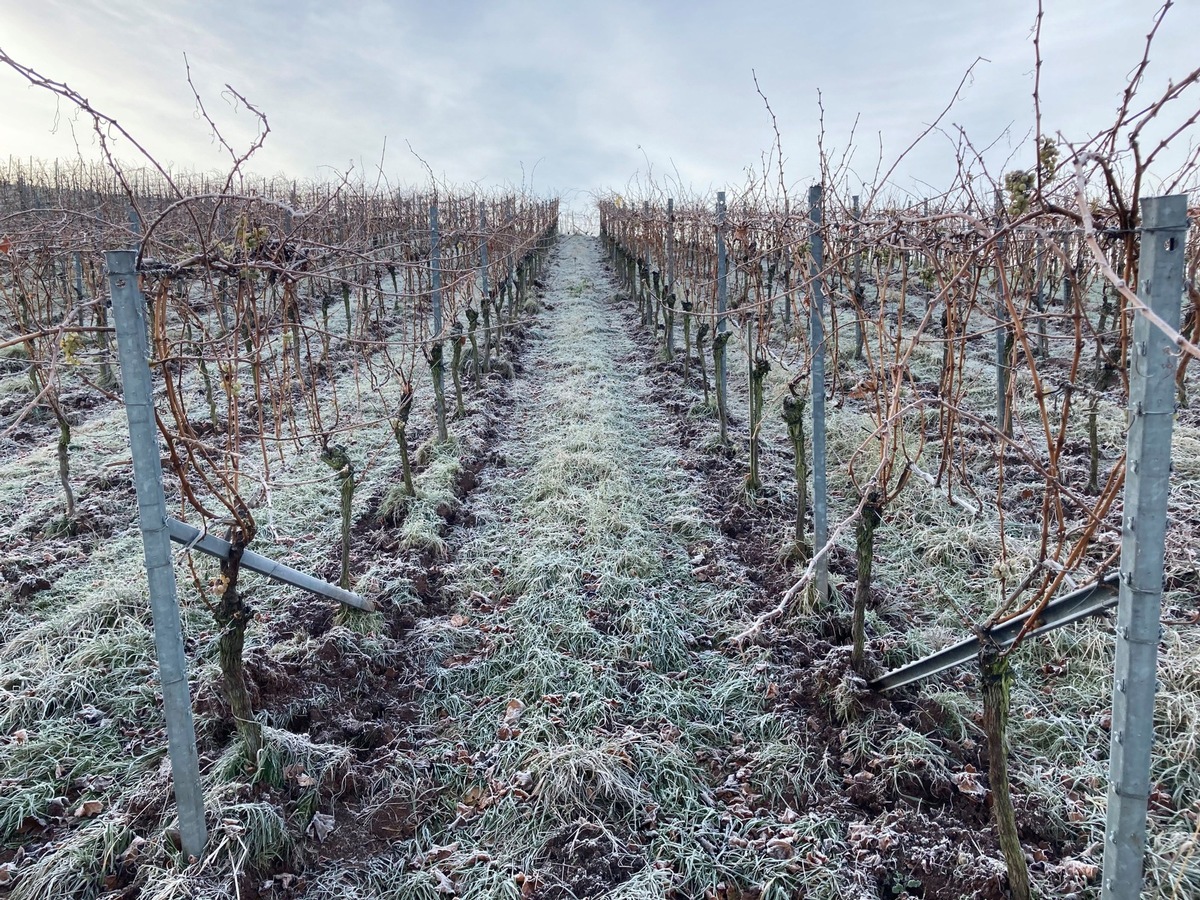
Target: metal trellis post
{"points": [[647, 296], [78, 261], [816, 343], [435, 278], [129, 319], [859, 293], [485, 303], [669, 293], [722, 301], [1148, 464], [1003, 332]]}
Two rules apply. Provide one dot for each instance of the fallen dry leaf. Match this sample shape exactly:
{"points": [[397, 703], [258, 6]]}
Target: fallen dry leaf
{"points": [[780, 848], [967, 781], [512, 712], [437, 854], [445, 885], [321, 826], [89, 808]]}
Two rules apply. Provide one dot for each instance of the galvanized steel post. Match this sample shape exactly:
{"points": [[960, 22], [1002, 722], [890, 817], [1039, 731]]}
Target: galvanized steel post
{"points": [[1003, 331], [1148, 463], [816, 343], [645, 295], [129, 319], [78, 261], [723, 291], [721, 336], [483, 251], [669, 293], [485, 304], [437, 366], [859, 293], [722, 266]]}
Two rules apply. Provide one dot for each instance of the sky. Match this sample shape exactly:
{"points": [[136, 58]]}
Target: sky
{"points": [[574, 97]]}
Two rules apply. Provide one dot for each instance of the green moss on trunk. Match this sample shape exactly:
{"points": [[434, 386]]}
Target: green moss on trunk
{"points": [[233, 615], [669, 315], [687, 339], [472, 327], [758, 376], [719, 342], [338, 459], [456, 347], [793, 416], [437, 368], [400, 429], [64, 461], [864, 538], [996, 679], [486, 307]]}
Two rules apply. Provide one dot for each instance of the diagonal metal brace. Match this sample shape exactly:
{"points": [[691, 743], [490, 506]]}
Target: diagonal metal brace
{"points": [[1080, 604], [194, 538]]}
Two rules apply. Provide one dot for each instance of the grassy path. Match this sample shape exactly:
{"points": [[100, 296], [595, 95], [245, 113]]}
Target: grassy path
{"points": [[564, 720], [587, 740], [583, 732]]}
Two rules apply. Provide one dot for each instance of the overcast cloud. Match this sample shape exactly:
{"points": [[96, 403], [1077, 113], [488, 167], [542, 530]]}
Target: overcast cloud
{"points": [[577, 96]]}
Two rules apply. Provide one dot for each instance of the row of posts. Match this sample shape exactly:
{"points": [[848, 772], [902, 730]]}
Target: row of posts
{"points": [[130, 324], [521, 273], [1152, 369], [1151, 418], [652, 296]]}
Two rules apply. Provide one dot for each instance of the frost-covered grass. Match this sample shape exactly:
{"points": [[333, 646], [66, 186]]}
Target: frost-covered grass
{"points": [[575, 694], [936, 566], [422, 516], [575, 683], [80, 721]]}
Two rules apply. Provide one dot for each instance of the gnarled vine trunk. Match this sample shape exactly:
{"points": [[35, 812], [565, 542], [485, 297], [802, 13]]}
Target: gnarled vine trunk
{"points": [[758, 377], [338, 459], [233, 615], [996, 678], [864, 539], [793, 416]]}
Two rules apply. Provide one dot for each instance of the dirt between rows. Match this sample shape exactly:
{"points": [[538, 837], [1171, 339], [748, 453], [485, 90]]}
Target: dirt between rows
{"points": [[927, 821], [914, 833], [374, 699], [377, 713], [909, 840]]}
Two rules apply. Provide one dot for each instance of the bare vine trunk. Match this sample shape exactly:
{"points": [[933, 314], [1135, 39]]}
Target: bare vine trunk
{"points": [[687, 340], [996, 677], [793, 415], [438, 367], [339, 460], [472, 325], [758, 375], [718, 345], [400, 428], [456, 344], [864, 530], [233, 615], [64, 461]]}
